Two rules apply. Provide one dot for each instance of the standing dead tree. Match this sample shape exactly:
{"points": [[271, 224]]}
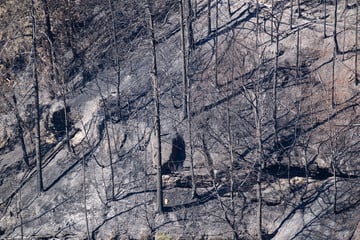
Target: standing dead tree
{"points": [[36, 99], [155, 84]]}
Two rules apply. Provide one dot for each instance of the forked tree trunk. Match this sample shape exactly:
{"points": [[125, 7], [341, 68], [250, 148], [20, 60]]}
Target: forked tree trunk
{"points": [[229, 8]]}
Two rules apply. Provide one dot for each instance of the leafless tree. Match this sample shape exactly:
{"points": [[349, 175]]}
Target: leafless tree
{"points": [[336, 44], [209, 16], [325, 16], [184, 60], [155, 83], [116, 57], [356, 43], [36, 99]]}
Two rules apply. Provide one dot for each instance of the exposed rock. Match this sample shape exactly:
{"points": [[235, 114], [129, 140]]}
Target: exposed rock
{"points": [[172, 152]]}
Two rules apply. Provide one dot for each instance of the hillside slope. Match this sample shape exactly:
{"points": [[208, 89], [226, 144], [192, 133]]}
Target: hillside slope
{"points": [[272, 132]]}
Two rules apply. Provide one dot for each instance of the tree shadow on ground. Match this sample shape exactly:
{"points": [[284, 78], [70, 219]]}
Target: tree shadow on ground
{"points": [[200, 200], [305, 203]]}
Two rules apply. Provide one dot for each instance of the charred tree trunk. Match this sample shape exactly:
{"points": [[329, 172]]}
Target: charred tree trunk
{"points": [[298, 54], [325, 16], [184, 65], [155, 83], [299, 8], [84, 198], [20, 132], [47, 20], [116, 59], [193, 182], [275, 81], [209, 16], [333, 101], [291, 13], [257, 24], [344, 35], [272, 21], [50, 38], [336, 44], [259, 166], [66, 116], [356, 44], [229, 8], [37, 101], [189, 25], [216, 39], [232, 221], [188, 92]]}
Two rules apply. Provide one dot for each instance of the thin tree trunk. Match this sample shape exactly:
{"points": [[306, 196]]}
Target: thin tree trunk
{"points": [[216, 42], [209, 16], [259, 172], [155, 83], [232, 161], [333, 102], [117, 60], [344, 36], [188, 92], [37, 102], [195, 8], [50, 37], [325, 16], [19, 210], [272, 21], [291, 13], [259, 158], [275, 81], [229, 8], [336, 44], [184, 67], [356, 44], [84, 198], [193, 182], [66, 117], [257, 24], [108, 141], [189, 25], [298, 54], [20, 132], [47, 20], [112, 173], [68, 25], [335, 184], [299, 9]]}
